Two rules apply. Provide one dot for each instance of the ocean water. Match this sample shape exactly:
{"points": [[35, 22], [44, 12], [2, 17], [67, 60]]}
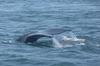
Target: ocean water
{"points": [[18, 17]]}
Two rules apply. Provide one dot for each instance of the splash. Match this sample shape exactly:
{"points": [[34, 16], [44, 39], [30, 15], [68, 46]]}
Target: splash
{"points": [[56, 43], [67, 41], [75, 39]]}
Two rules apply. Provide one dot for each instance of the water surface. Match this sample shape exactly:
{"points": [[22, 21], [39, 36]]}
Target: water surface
{"points": [[18, 17]]}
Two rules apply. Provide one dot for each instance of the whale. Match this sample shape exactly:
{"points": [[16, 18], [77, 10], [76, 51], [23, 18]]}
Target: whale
{"points": [[55, 34], [33, 37]]}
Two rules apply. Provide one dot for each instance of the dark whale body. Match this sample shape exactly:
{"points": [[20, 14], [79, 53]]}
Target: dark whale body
{"points": [[33, 37]]}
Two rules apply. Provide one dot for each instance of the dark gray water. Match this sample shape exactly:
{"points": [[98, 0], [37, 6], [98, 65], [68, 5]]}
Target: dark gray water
{"points": [[18, 17]]}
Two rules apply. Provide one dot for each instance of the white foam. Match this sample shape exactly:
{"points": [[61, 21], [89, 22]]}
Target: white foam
{"points": [[56, 43], [65, 38], [66, 41]]}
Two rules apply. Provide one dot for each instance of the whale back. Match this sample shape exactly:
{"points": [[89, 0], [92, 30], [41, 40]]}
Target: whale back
{"points": [[33, 37]]}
